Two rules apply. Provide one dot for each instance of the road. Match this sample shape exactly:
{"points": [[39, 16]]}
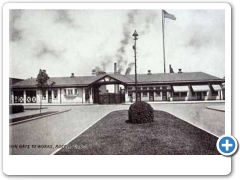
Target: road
{"points": [[41, 136]]}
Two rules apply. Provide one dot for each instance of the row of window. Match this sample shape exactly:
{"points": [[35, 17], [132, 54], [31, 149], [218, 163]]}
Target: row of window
{"points": [[177, 94], [71, 91], [145, 94], [203, 93], [148, 88], [55, 94]]}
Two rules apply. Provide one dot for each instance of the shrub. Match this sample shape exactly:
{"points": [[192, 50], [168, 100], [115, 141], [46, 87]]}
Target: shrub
{"points": [[140, 112], [15, 109]]}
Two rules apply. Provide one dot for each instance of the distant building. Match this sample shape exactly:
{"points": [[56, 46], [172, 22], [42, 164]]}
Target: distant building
{"points": [[181, 86]]}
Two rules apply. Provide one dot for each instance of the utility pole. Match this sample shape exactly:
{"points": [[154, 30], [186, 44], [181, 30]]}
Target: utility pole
{"points": [[135, 35]]}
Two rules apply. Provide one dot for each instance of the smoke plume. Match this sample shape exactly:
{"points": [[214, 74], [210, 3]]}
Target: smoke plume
{"points": [[129, 69], [134, 18]]}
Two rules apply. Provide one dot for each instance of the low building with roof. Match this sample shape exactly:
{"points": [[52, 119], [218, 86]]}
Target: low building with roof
{"points": [[181, 86]]}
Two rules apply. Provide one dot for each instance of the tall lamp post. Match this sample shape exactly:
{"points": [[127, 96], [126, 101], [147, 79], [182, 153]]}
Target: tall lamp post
{"points": [[135, 35]]}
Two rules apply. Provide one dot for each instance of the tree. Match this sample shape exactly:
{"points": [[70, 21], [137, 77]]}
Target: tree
{"points": [[42, 79]]}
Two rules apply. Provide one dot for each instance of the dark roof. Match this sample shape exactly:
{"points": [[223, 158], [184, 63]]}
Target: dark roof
{"points": [[174, 77], [127, 79], [60, 81]]}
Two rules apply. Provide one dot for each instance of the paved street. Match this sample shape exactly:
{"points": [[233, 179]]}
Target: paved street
{"points": [[61, 128]]}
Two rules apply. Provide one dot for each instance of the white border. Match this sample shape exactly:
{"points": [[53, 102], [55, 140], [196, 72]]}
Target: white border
{"points": [[114, 165]]}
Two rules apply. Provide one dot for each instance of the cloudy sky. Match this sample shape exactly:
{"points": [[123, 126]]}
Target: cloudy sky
{"points": [[66, 41]]}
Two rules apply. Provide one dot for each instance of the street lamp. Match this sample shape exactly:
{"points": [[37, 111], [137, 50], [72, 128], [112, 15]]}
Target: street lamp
{"points": [[135, 35]]}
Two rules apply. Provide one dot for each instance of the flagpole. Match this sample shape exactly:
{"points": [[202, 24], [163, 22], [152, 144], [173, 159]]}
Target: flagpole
{"points": [[163, 42]]}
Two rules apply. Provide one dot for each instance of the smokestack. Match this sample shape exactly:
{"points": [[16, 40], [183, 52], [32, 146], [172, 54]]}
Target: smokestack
{"points": [[180, 71], [115, 68], [170, 69], [149, 72], [72, 74], [94, 72], [115, 72]]}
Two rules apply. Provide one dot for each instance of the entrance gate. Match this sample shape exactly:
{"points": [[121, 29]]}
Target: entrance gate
{"points": [[112, 98]]}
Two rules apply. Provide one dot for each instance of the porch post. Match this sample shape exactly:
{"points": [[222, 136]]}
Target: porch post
{"points": [[12, 97], [83, 95], [126, 94], [91, 96], [24, 96]]}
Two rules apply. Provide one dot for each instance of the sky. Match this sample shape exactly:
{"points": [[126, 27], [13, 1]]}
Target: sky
{"points": [[76, 41]]}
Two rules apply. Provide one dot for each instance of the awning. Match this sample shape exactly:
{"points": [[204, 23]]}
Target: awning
{"points": [[216, 87], [197, 88], [180, 88]]}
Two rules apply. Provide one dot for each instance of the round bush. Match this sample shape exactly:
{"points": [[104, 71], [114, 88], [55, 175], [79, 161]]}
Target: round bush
{"points": [[140, 112]]}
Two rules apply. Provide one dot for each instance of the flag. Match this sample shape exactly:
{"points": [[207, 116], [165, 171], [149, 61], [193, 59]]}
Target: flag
{"points": [[167, 15]]}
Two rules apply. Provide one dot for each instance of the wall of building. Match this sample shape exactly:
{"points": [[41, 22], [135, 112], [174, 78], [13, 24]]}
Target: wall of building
{"points": [[79, 94], [207, 95], [58, 96]]}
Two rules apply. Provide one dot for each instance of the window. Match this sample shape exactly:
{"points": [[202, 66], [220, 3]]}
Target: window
{"points": [[158, 93], [204, 93], [76, 91], [164, 87], [193, 94], [139, 88], [183, 94], [145, 93], [43, 95], [70, 92], [175, 94], [55, 94], [130, 88], [151, 88], [215, 93], [129, 94]]}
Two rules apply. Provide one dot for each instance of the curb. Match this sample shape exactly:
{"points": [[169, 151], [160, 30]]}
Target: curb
{"points": [[31, 119], [215, 109], [180, 102]]}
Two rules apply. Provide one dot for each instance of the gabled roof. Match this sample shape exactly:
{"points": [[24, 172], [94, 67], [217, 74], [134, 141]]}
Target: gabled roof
{"points": [[174, 77], [125, 79], [60, 81]]}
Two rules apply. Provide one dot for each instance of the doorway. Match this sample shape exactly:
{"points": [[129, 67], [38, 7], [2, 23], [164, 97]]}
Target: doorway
{"points": [[151, 96], [49, 96], [164, 96], [199, 95]]}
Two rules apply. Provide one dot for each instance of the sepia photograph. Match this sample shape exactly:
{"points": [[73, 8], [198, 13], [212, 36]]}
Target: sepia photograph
{"points": [[116, 81]]}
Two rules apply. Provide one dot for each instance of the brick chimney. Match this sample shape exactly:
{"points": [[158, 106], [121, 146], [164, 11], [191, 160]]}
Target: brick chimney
{"points": [[94, 72], [115, 68], [180, 71], [170, 69], [116, 86]]}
